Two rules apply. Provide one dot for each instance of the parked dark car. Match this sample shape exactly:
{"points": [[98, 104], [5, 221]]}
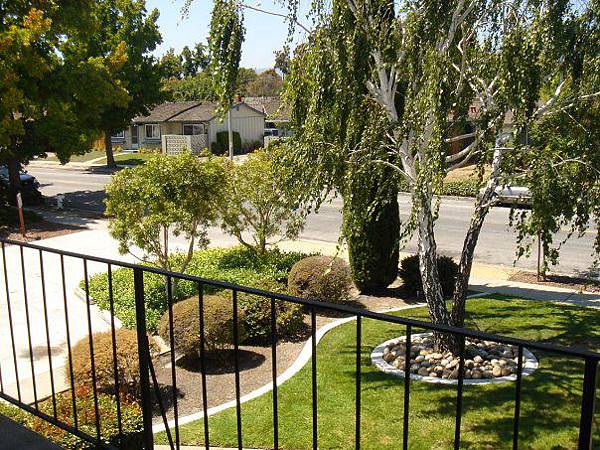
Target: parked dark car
{"points": [[30, 186]]}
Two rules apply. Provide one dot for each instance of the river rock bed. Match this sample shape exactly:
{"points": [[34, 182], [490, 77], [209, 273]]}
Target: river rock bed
{"points": [[483, 359]]}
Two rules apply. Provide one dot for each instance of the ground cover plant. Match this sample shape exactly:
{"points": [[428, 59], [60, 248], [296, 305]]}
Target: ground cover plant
{"points": [[235, 265], [550, 397]]}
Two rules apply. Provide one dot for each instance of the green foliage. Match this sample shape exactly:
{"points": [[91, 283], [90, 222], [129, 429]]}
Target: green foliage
{"points": [[218, 325], [256, 204], [126, 28], [462, 188], [321, 278], [221, 146], [131, 415], [126, 356], [177, 194], [225, 44], [194, 88], [411, 277], [289, 317], [53, 92], [234, 265]]}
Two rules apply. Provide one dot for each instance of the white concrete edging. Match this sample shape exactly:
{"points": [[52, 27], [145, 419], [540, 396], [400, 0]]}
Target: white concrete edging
{"points": [[298, 364]]}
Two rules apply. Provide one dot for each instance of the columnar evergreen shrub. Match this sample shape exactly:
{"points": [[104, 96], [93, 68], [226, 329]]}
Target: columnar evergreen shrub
{"points": [[372, 231]]}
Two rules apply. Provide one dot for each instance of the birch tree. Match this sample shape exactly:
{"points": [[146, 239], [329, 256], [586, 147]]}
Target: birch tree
{"points": [[430, 62]]}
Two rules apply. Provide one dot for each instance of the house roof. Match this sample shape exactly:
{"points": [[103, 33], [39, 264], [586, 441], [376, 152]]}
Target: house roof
{"points": [[182, 112], [272, 107]]}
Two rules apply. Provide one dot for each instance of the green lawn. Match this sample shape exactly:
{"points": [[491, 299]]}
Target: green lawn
{"points": [[93, 154], [550, 401]]}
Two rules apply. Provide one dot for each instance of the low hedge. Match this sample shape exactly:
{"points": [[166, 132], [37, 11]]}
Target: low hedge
{"points": [[131, 420], [468, 187], [236, 265]]}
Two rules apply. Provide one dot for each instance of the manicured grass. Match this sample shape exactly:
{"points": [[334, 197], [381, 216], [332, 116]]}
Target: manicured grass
{"points": [[550, 397], [93, 154]]}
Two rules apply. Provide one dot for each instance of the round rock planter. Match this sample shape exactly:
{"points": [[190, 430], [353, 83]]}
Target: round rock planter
{"points": [[487, 363]]}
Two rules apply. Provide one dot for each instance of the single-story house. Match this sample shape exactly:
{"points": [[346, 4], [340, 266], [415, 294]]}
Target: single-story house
{"points": [[277, 116], [172, 127]]}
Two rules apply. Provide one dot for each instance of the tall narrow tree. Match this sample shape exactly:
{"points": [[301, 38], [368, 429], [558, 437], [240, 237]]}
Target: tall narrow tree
{"points": [[225, 44]]}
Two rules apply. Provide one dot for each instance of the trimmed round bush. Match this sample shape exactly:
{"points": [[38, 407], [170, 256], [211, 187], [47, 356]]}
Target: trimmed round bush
{"points": [[257, 313], [126, 356], [218, 324], [321, 278], [411, 276]]}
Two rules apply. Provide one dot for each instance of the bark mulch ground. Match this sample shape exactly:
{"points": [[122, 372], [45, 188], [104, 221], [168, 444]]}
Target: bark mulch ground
{"points": [[561, 281], [255, 363]]}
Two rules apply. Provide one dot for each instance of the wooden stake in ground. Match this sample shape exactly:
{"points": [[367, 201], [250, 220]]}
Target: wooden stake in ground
{"points": [[20, 209]]}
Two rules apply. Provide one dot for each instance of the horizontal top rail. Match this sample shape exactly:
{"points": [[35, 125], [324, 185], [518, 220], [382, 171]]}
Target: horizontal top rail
{"points": [[558, 349]]}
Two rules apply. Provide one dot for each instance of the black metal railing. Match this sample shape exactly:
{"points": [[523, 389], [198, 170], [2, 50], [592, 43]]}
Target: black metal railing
{"points": [[150, 396]]}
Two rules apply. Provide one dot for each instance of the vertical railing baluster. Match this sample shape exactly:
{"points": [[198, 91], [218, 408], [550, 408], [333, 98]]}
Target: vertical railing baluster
{"points": [[407, 353], [274, 375], [111, 303], [10, 324], [28, 322], [313, 332], [517, 417], [236, 357], [48, 346], [203, 363], [588, 399], [173, 368], [358, 380], [68, 335], [91, 344], [143, 357], [459, 393]]}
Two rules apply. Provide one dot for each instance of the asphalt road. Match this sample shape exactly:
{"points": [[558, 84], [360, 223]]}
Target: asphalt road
{"points": [[497, 245]]}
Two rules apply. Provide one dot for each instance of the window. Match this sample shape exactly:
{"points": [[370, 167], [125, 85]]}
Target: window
{"points": [[118, 136], [193, 129], [152, 131]]}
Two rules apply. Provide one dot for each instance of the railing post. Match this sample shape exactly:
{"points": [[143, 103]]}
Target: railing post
{"points": [[144, 357], [586, 423]]}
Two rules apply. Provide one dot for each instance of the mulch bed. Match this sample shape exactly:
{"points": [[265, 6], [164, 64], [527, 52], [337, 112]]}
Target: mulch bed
{"points": [[255, 364], [561, 281], [38, 230]]}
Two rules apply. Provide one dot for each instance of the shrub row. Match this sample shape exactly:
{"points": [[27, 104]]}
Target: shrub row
{"points": [[468, 187]]}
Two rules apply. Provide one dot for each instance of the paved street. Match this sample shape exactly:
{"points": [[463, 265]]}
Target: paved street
{"points": [[85, 190]]}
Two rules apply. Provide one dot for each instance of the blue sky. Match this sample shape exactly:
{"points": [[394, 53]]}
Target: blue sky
{"points": [[264, 33]]}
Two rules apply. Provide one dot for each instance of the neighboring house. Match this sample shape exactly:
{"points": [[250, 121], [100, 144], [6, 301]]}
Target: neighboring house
{"points": [[277, 116], [172, 127]]}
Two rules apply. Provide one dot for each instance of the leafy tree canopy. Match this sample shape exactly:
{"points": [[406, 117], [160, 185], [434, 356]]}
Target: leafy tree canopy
{"points": [[168, 195]]}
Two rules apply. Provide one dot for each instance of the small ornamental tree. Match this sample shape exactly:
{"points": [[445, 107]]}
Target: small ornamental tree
{"points": [[167, 196], [256, 205]]}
